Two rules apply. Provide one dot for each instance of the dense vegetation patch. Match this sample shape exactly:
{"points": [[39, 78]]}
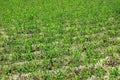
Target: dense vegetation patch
{"points": [[60, 39]]}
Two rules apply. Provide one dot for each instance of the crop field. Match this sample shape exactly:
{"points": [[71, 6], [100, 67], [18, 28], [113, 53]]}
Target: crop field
{"points": [[59, 39]]}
